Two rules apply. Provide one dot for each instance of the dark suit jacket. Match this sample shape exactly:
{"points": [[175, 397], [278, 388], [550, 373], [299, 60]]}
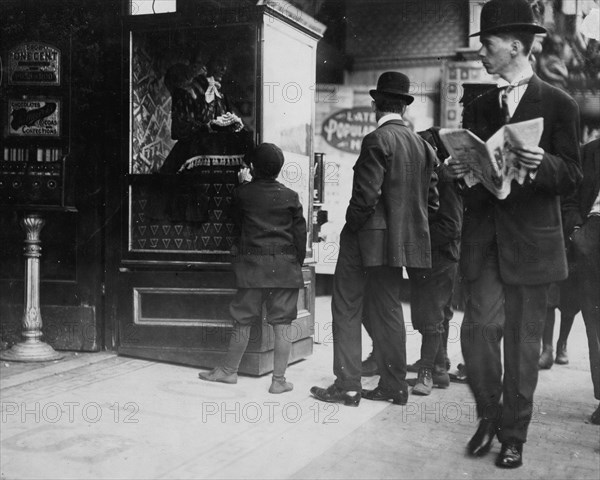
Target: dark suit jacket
{"points": [[526, 226], [446, 224], [577, 206], [272, 244], [393, 186]]}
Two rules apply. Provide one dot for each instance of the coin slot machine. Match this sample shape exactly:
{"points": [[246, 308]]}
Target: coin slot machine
{"points": [[34, 143]]}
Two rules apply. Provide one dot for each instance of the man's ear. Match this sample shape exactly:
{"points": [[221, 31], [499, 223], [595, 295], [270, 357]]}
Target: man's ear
{"points": [[515, 47], [373, 106]]}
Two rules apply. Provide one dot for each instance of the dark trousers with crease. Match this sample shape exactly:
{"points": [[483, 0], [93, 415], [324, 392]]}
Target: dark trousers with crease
{"points": [[494, 311], [377, 290]]}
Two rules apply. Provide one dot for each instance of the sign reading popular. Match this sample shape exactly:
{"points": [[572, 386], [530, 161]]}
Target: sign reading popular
{"points": [[34, 63], [34, 117], [345, 129]]}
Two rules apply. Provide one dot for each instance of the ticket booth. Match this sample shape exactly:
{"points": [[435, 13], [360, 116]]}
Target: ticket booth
{"points": [[169, 278]]}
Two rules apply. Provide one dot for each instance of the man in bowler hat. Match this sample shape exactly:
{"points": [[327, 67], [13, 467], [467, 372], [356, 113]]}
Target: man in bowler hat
{"points": [[512, 249], [386, 229]]}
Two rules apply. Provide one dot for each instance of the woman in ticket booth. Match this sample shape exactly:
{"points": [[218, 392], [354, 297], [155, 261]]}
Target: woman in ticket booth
{"points": [[205, 127]]}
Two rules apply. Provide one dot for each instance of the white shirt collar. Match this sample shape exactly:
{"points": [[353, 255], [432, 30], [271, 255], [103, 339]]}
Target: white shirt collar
{"points": [[388, 117], [527, 72]]}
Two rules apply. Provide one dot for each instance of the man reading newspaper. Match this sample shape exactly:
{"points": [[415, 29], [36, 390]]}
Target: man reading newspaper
{"points": [[512, 249], [494, 163]]}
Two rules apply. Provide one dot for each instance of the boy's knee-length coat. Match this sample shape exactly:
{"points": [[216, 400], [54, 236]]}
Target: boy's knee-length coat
{"points": [[272, 244]]}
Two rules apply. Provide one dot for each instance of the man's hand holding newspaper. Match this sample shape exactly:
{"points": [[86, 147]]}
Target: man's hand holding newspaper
{"points": [[510, 154]]}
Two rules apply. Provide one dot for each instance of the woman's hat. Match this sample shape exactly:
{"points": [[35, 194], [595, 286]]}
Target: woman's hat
{"points": [[499, 16], [393, 85]]}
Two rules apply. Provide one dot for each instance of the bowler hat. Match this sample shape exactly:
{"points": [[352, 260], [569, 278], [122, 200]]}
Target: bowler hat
{"points": [[499, 16], [393, 85], [267, 158]]}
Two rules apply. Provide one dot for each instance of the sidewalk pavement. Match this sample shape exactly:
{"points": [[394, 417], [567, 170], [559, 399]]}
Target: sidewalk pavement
{"points": [[103, 416]]}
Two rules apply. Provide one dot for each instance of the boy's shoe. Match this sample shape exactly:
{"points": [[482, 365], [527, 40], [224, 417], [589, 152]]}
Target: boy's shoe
{"points": [[217, 374], [280, 386], [424, 382]]}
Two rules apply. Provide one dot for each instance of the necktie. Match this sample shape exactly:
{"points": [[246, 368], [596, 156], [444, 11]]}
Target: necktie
{"points": [[505, 91], [504, 103]]}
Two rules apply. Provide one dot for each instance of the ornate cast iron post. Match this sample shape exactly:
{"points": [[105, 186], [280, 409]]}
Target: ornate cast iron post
{"points": [[32, 349]]}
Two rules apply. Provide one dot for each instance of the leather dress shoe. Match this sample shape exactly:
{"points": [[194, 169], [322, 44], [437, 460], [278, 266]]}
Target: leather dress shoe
{"points": [[510, 456], [333, 394], [481, 442], [414, 368], [595, 418], [460, 376], [441, 379], [369, 367], [561, 354], [399, 397], [545, 362]]}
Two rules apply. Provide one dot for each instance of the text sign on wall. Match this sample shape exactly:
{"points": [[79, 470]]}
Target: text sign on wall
{"points": [[34, 117], [345, 129], [34, 63]]}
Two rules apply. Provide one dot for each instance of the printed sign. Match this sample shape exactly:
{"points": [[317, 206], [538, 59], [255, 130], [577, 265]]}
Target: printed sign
{"points": [[34, 117], [34, 63], [345, 129]]}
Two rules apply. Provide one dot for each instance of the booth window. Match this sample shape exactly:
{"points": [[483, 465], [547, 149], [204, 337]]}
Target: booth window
{"points": [[149, 7], [192, 118]]}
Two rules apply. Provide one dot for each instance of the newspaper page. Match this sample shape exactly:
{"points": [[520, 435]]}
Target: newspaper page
{"points": [[493, 163]]}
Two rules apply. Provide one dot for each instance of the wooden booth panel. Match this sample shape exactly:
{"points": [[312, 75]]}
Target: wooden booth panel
{"points": [[182, 319]]}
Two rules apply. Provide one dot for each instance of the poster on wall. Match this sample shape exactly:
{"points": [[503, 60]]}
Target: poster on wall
{"points": [[34, 117], [34, 63]]}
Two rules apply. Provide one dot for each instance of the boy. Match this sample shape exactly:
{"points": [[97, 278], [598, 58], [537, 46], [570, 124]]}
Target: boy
{"points": [[267, 262]]}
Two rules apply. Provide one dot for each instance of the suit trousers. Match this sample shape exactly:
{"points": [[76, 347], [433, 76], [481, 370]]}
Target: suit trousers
{"points": [[494, 311], [430, 292], [586, 246], [377, 290]]}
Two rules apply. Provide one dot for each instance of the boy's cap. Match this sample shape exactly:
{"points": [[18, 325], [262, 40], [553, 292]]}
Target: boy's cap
{"points": [[267, 158]]}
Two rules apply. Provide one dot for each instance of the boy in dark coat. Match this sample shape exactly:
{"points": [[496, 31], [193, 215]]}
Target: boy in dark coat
{"points": [[267, 261]]}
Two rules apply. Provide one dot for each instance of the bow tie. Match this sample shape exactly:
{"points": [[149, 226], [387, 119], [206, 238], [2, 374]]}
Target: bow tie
{"points": [[213, 90]]}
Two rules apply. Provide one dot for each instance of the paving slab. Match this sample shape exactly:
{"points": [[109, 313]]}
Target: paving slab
{"points": [[104, 416]]}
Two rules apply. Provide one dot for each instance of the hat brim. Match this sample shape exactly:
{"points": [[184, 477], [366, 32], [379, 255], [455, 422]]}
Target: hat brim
{"points": [[511, 27], [379, 94]]}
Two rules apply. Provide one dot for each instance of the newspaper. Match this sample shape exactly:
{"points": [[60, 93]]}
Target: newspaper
{"points": [[493, 163]]}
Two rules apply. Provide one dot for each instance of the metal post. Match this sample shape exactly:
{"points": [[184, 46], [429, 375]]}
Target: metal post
{"points": [[32, 349]]}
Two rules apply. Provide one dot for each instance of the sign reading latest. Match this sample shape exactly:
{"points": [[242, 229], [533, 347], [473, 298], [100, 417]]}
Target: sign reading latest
{"points": [[345, 129], [34, 63]]}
